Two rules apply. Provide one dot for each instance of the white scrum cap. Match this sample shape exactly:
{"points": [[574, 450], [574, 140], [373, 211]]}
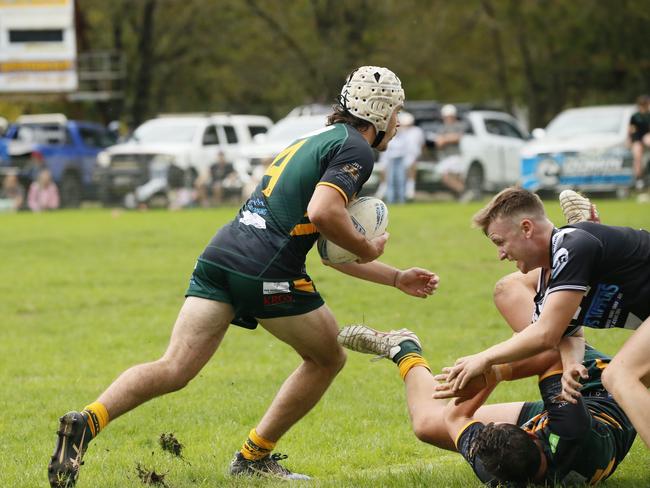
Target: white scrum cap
{"points": [[372, 93]]}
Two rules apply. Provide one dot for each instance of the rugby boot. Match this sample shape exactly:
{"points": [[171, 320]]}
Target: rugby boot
{"points": [[362, 338], [73, 437], [577, 208], [267, 466]]}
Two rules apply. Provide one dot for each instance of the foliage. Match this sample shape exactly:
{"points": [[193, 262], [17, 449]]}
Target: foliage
{"points": [[267, 56], [88, 293]]}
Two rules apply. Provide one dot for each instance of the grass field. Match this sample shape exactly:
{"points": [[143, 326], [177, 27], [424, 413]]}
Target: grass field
{"points": [[86, 294]]}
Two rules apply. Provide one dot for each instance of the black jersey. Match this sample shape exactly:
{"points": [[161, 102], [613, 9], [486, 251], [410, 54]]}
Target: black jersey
{"points": [[641, 123], [271, 235], [583, 443], [611, 265]]}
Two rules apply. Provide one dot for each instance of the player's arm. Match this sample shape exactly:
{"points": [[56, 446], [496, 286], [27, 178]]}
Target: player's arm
{"points": [[535, 366], [416, 282], [459, 413], [572, 351], [327, 211], [559, 309]]}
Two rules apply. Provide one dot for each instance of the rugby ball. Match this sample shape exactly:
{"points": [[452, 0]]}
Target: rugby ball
{"points": [[369, 216]]}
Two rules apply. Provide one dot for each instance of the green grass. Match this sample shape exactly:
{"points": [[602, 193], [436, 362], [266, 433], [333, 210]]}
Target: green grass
{"points": [[86, 294]]}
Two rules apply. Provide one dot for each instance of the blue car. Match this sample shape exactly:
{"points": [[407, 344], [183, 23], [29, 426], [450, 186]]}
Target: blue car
{"points": [[68, 148], [583, 149]]}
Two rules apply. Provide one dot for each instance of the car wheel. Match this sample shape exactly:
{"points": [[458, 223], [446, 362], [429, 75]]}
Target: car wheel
{"points": [[474, 180], [70, 190], [105, 192]]}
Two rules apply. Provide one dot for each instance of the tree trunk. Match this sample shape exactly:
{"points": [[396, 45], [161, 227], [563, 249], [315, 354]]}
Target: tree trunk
{"points": [[501, 72], [145, 56]]}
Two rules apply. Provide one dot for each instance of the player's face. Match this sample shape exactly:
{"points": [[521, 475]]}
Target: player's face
{"points": [[512, 238], [391, 130]]}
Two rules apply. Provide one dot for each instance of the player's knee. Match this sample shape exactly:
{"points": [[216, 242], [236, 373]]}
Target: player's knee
{"points": [[613, 379], [332, 362], [426, 429], [501, 289], [175, 376], [338, 360]]}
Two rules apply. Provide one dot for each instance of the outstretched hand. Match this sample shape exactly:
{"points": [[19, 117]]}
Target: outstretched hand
{"points": [[466, 368], [570, 384], [417, 282], [443, 389]]}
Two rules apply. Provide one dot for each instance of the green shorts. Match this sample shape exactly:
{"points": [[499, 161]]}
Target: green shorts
{"points": [[253, 298]]}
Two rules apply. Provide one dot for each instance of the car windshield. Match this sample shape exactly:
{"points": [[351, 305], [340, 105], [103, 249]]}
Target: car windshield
{"points": [[166, 131], [601, 120], [290, 128]]}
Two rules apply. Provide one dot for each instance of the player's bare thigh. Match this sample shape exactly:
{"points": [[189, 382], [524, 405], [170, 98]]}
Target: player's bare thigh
{"points": [[198, 331], [312, 335], [633, 356]]}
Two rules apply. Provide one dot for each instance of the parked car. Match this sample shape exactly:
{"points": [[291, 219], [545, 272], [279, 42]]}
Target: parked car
{"points": [[68, 148], [583, 149], [279, 136], [489, 149], [169, 149]]}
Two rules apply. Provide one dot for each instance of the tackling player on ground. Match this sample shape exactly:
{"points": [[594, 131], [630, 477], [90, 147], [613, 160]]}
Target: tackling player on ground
{"points": [[253, 270], [544, 442], [583, 274], [549, 441]]}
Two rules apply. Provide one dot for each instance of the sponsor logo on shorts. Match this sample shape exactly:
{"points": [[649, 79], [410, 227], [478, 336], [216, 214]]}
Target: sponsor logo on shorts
{"points": [[277, 299], [274, 287]]}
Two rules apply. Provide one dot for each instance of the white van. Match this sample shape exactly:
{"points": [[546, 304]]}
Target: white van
{"points": [[185, 145]]}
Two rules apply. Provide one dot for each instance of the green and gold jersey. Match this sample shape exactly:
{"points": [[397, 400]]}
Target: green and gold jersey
{"points": [[583, 443], [271, 235]]}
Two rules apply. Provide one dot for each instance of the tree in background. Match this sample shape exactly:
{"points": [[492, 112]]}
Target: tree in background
{"points": [[267, 56]]}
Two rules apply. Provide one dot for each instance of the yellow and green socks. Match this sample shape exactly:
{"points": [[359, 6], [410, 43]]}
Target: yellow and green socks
{"points": [[409, 356], [97, 417], [256, 447]]}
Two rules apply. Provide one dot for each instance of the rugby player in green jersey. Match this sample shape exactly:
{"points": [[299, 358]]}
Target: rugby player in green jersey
{"points": [[253, 270], [547, 442]]}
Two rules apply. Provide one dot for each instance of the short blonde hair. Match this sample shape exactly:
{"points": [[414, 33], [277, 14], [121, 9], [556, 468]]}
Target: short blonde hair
{"points": [[508, 203]]}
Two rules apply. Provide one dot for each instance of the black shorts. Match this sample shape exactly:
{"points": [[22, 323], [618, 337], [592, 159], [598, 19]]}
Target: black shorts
{"points": [[253, 298]]}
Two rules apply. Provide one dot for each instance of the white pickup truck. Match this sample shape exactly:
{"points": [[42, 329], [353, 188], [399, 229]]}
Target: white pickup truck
{"points": [[171, 148], [490, 153]]}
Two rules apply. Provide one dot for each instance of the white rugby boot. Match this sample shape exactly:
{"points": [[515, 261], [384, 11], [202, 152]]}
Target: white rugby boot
{"points": [[577, 208], [362, 338]]}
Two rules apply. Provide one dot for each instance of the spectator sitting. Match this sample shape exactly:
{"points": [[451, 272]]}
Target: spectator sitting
{"points": [[225, 181], [43, 193], [640, 137], [181, 191], [12, 194], [448, 149]]}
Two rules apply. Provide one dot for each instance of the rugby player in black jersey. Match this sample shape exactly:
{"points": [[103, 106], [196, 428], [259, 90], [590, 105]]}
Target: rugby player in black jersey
{"points": [[253, 270], [583, 274], [548, 441]]}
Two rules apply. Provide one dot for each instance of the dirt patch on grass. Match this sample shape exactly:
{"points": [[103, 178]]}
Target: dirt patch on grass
{"points": [[169, 442], [150, 477]]}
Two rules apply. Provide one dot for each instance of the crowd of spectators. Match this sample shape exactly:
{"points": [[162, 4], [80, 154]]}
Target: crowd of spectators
{"points": [[42, 193]]}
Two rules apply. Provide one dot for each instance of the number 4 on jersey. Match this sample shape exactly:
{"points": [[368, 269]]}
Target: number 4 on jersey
{"points": [[277, 166]]}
